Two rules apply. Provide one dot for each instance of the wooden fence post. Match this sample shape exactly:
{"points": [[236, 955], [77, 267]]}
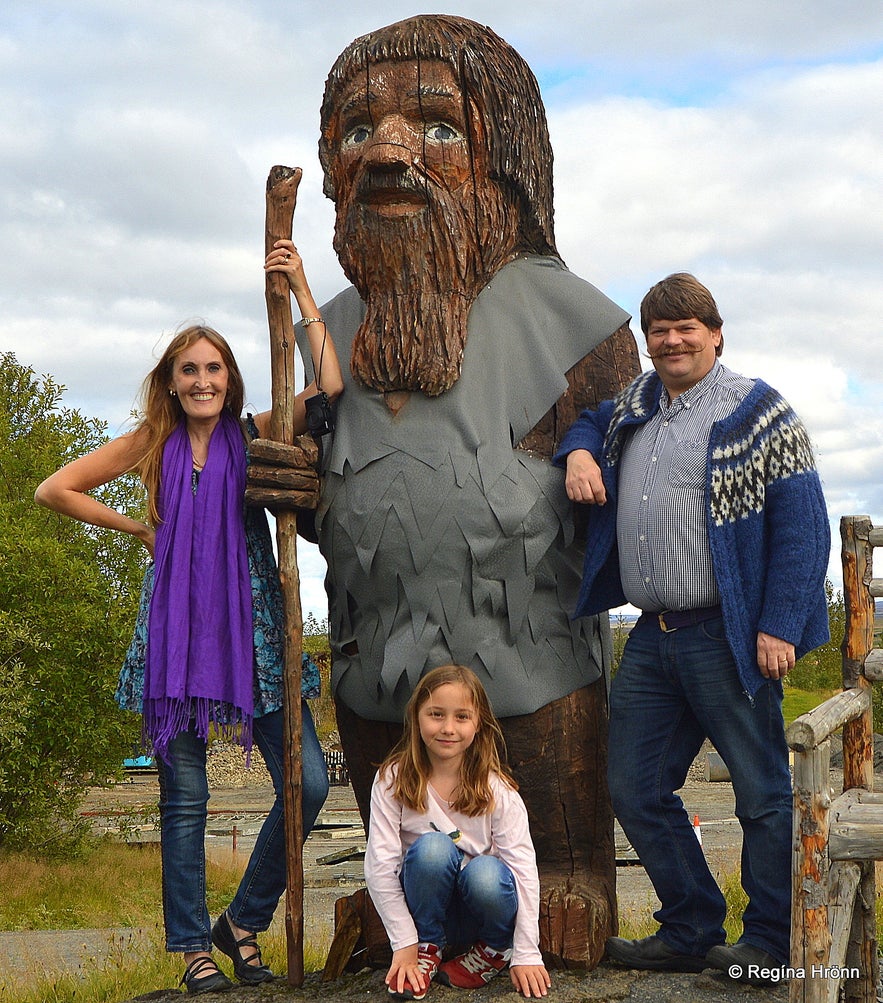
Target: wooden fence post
{"points": [[810, 937], [858, 739]]}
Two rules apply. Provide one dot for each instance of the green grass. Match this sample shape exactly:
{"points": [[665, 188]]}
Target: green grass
{"points": [[112, 884], [638, 922], [116, 885], [134, 968], [798, 702]]}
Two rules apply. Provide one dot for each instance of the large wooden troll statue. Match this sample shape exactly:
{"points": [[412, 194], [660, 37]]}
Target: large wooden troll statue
{"points": [[447, 531]]}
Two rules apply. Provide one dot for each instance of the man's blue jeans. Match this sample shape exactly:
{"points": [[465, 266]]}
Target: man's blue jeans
{"points": [[183, 811], [454, 905], [670, 692]]}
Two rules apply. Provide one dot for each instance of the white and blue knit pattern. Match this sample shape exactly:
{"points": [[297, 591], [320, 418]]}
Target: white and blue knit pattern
{"points": [[772, 445], [634, 405]]}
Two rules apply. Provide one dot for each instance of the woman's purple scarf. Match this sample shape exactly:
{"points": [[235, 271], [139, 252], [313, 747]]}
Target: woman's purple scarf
{"points": [[200, 642]]}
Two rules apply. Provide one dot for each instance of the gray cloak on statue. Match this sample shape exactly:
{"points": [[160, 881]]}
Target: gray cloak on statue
{"points": [[444, 543]]}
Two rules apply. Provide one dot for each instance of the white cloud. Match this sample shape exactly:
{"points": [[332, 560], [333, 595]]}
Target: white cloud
{"points": [[738, 141]]}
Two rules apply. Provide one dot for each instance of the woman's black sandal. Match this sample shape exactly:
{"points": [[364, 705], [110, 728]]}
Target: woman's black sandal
{"points": [[224, 939], [217, 982]]}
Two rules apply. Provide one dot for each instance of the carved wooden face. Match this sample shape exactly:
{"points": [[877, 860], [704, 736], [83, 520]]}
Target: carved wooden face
{"points": [[421, 226], [402, 126]]}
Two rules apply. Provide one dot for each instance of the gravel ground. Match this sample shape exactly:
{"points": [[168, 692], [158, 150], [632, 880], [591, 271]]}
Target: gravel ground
{"points": [[604, 985], [225, 767]]}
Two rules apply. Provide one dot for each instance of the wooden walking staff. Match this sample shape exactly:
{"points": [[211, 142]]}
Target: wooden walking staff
{"points": [[281, 198]]}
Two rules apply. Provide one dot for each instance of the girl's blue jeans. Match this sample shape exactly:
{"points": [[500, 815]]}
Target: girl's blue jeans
{"points": [[454, 905], [183, 806], [671, 691]]}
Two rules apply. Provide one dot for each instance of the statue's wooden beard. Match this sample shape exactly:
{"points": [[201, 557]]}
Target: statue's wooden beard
{"points": [[418, 275]]}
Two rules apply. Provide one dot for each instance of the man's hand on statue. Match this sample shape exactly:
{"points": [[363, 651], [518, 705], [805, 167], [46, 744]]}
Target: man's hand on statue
{"points": [[530, 980], [775, 657], [583, 482]]}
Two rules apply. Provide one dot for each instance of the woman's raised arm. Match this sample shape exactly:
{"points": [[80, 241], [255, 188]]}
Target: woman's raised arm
{"points": [[66, 491]]}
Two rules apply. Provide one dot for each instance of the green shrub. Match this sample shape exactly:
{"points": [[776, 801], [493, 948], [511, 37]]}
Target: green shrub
{"points": [[822, 669], [68, 595]]}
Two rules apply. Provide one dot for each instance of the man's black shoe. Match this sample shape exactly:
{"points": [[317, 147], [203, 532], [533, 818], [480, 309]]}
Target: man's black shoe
{"points": [[652, 954], [746, 963]]}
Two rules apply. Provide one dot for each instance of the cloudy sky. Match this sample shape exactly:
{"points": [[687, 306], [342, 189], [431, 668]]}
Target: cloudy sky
{"points": [[740, 141]]}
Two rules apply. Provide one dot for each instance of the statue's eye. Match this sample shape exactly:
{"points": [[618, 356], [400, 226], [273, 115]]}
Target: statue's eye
{"points": [[441, 132], [357, 135]]}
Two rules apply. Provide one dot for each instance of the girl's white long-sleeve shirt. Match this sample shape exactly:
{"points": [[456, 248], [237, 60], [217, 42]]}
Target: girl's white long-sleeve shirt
{"points": [[502, 833]]}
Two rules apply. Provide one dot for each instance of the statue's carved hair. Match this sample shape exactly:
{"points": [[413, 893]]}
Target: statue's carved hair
{"points": [[495, 78]]}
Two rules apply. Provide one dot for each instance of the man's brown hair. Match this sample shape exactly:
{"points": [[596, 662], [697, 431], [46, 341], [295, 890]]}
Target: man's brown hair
{"points": [[679, 297]]}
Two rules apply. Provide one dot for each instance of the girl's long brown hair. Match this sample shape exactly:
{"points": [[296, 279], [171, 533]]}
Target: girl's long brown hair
{"points": [[161, 412], [485, 756]]}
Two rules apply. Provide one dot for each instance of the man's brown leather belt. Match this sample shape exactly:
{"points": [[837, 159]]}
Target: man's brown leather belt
{"points": [[672, 619]]}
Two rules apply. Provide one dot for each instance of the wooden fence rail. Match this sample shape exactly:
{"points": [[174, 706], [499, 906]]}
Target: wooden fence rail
{"points": [[838, 839]]}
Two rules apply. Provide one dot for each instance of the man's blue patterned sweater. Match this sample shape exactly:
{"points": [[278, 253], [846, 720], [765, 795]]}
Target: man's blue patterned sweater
{"points": [[767, 522]]}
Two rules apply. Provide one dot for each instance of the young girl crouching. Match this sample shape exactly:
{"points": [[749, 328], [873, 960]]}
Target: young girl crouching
{"points": [[450, 859]]}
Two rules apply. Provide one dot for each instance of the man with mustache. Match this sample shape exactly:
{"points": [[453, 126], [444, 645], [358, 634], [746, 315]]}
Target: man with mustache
{"points": [[708, 515], [448, 535]]}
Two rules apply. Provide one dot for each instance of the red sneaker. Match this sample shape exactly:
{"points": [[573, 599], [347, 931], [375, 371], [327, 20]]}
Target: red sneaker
{"points": [[474, 968], [428, 960]]}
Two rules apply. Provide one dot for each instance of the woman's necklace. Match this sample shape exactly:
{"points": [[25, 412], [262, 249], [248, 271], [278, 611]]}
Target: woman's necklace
{"points": [[198, 464]]}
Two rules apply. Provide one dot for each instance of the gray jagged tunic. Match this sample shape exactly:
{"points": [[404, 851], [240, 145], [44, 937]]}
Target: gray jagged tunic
{"points": [[444, 543]]}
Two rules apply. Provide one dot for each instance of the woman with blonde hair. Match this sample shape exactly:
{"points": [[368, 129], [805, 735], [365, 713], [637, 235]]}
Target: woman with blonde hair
{"points": [[206, 656]]}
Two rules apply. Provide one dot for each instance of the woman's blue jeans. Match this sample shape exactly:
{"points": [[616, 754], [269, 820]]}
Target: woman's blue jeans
{"points": [[670, 692], [454, 905], [183, 806]]}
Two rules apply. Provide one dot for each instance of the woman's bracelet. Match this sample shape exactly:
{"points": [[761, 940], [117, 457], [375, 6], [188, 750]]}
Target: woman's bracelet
{"points": [[306, 321]]}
